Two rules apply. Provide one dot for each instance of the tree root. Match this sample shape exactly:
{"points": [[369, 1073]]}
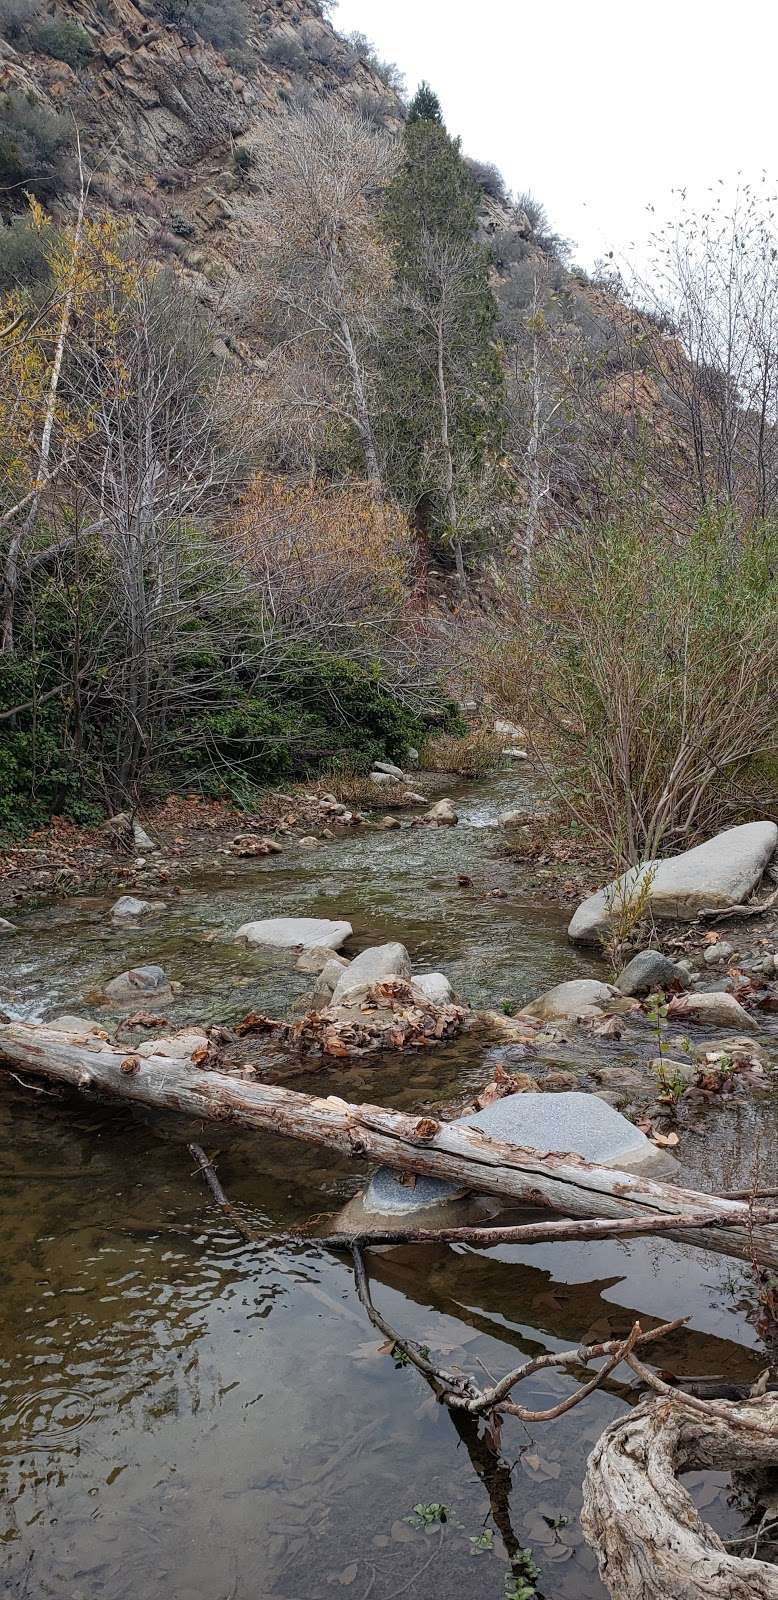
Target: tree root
{"points": [[649, 1538]]}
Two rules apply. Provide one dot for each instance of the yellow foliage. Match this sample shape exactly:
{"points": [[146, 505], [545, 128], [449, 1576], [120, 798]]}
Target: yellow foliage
{"points": [[99, 271], [324, 533]]}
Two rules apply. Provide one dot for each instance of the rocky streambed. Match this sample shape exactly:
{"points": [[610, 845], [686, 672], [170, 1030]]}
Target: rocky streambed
{"points": [[185, 1414]]}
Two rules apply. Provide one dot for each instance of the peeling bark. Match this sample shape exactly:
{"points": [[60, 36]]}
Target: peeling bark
{"points": [[172, 1074], [650, 1540]]}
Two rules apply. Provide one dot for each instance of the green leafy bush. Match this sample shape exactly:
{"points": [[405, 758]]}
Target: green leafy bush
{"points": [[22, 255], [33, 148], [63, 39]]}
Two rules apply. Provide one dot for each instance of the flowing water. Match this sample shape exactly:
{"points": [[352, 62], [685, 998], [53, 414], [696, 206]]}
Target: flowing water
{"points": [[185, 1416]]}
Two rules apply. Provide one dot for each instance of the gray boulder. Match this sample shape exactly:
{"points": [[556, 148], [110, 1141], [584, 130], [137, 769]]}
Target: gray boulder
{"points": [[650, 970], [391, 771], [715, 1009], [325, 984], [129, 909], [412, 756], [140, 838], [569, 1123], [287, 933], [435, 986], [82, 1027], [138, 984], [581, 997], [316, 957], [716, 954], [719, 874], [378, 962], [6, 926], [382, 778]]}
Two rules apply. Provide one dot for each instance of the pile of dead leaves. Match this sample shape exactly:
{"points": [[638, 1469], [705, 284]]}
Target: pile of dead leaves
{"points": [[384, 1016]]}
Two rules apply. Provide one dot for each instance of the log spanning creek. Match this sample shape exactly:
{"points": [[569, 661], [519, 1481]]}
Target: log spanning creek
{"points": [[190, 1414]]}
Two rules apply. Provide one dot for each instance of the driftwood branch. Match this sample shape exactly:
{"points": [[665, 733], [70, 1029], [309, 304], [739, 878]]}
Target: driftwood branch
{"points": [[651, 1542], [173, 1074]]}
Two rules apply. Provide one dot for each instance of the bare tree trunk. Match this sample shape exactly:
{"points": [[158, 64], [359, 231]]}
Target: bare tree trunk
{"points": [[25, 528], [364, 424], [163, 1074], [650, 1540]]}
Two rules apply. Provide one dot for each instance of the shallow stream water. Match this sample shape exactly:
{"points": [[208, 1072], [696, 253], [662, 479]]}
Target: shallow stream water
{"points": [[184, 1416]]}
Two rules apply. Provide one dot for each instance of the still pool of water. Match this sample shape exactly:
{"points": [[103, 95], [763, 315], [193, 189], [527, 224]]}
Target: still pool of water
{"points": [[185, 1416]]}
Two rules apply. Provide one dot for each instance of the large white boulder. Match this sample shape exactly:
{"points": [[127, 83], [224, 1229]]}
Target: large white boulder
{"points": [[287, 933], [719, 874], [374, 965], [567, 1002]]}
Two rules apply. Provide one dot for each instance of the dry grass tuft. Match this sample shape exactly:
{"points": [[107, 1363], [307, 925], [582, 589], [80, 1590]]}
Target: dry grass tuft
{"points": [[472, 755]]}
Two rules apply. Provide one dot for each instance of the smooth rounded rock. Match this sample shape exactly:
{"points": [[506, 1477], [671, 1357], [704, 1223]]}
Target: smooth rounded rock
{"points": [[286, 933], [719, 874], [139, 983], [714, 1008], [374, 965], [581, 997], [128, 908], [650, 970], [435, 986]]}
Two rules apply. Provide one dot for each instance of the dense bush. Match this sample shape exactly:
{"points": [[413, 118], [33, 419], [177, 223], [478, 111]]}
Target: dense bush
{"points": [[652, 665], [16, 19], [285, 52], [34, 146], [541, 233], [488, 178], [223, 23], [63, 39], [22, 254]]}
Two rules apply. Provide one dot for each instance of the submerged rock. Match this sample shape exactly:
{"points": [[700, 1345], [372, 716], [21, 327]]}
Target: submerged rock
{"points": [[129, 909], [581, 997], [133, 985], [286, 933], [373, 965], [650, 970], [721, 873], [6, 926], [569, 1123]]}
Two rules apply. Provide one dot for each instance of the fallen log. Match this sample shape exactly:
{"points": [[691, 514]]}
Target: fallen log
{"points": [[172, 1074], [650, 1540]]}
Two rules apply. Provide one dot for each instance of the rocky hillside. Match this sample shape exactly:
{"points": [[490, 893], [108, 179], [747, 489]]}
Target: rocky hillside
{"points": [[164, 110]]}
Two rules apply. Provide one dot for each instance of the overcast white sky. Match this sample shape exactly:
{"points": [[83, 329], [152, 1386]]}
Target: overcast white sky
{"points": [[598, 108]]}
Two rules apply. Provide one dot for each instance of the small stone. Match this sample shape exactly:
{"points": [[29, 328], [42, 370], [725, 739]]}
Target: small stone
{"points": [[285, 933], [316, 957], [140, 838], [388, 769], [716, 953], [308, 842], [390, 822], [129, 986], [581, 997], [129, 909], [6, 926], [715, 1008], [510, 753]]}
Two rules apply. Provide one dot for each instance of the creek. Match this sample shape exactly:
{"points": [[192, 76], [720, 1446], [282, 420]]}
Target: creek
{"points": [[185, 1416]]}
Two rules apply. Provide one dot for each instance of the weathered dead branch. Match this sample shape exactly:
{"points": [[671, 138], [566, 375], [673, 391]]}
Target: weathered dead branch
{"points": [[650, 1540], [173, 1074]]}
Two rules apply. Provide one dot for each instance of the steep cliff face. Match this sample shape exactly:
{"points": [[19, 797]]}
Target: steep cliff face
{"points": [[162, 110]]}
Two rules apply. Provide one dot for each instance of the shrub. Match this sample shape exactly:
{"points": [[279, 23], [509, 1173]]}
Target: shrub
{"points": [[362, 50], [224, 23], [242, 160], [349, 711], [16, 20], [541, 233], [285, 52], [653, 665], [472, 754], [22, 255], [33, 148], [63, 39], [488, 178], [181, 226]]}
